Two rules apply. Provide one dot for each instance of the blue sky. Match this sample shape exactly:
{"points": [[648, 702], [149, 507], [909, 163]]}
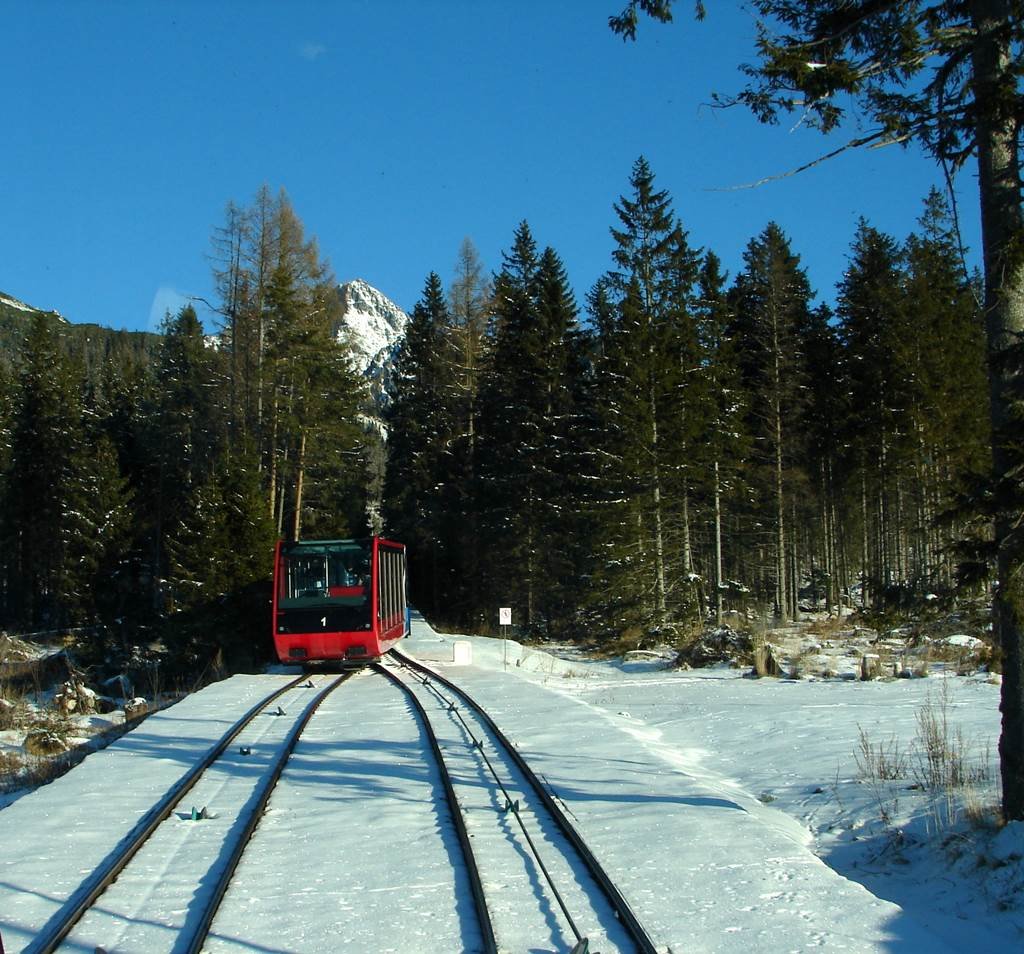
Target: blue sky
{"points": [[397, 128]]}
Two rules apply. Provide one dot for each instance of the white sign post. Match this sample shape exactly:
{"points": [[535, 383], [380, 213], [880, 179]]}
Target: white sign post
{"points": [[504, 621]]}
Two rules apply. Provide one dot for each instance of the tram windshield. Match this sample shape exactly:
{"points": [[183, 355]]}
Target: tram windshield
{"points": [[326, 573]]}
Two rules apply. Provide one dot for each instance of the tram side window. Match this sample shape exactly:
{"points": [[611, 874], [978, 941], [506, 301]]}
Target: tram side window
{"points": [[385, 585], [390, 587], [307, 576]]}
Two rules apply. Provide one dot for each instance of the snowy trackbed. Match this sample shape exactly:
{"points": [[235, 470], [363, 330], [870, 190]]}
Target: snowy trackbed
{"points": [[124, 889], [532, 858], [183, 877], [359, 849]]}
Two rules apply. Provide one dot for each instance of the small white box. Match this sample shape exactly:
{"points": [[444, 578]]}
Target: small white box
{"points": [[462, 653]]}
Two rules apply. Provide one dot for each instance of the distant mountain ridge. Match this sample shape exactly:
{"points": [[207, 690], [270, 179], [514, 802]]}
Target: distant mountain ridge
{"points": [[87, 342], [372, 325]]}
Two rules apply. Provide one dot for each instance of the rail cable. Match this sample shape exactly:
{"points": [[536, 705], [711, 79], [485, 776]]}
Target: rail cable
{"points": [[462, 833], [64, 920], [511, 804], [645, 944]]}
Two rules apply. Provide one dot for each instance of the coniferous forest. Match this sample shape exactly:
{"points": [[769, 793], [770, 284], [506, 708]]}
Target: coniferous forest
{"points": [[681, 444], [685, 442], [144, 479]]}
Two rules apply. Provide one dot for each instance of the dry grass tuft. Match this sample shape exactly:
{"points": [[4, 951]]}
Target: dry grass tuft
{"points": [[880, 761], [830, 627]]}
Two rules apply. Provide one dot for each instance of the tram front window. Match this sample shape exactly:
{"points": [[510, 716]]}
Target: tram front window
{"points": [[324, 586]]}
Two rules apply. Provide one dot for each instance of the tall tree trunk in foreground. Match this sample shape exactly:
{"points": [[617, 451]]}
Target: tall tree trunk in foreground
{"points": [[1002, 235]]}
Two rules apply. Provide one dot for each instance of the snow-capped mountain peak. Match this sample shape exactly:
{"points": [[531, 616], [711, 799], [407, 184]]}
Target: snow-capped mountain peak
{"points": [[374, 328]]}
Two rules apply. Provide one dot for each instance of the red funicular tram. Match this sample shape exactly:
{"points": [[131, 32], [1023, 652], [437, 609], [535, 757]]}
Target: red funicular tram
{"points": [[342, 600]]}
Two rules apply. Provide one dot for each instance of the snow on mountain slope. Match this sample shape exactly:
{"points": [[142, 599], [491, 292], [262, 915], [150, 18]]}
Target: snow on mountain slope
{"points": [[374, 327], [8, 301]]}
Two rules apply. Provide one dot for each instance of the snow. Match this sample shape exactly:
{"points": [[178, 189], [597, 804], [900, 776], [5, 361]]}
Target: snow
{"points": [[729, 811], [14, 303], [963, 640]]}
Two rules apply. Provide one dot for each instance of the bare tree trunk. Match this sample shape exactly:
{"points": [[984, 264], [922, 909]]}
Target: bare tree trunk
{"points": [[899, 535], [794, 565], [660, 604], [531, 563], [272, 464], [882, 516], [718, 547], [781, 577], [865, 555], [300, 469]]}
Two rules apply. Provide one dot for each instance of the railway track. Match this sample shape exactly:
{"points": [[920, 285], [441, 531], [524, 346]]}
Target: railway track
{"points": [[532, 882], [535, 881], [238, 775]]}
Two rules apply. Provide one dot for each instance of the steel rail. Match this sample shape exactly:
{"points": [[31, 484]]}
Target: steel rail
{"points": [[195, 944], [64, 920], [511, 806], [475, 881], [615, 898]]}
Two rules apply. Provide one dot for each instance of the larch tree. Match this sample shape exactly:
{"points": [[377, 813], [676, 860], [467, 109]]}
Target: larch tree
{"points": [[947, 76], [470, 303], [310, 439]]}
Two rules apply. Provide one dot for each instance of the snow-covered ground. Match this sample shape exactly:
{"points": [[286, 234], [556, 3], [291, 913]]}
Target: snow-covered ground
{"points": [[731, 811]]}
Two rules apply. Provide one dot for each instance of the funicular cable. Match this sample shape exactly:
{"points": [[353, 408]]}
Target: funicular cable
{"points": [[511, 805]]}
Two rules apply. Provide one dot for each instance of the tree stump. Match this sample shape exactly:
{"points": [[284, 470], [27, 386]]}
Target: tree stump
{"points": [[870, 666], [135, 709]]}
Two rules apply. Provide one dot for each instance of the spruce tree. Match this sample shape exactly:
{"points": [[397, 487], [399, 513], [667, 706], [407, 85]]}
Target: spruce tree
{"points": [[943, 360], [185, 434], [7, 406], [725, 444], [872, 322], [771, 301], [946, 75], [825, 468], [418, 490], [646, 349], [97, 529], [528, 440], [46, 452], [220, 553]]}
